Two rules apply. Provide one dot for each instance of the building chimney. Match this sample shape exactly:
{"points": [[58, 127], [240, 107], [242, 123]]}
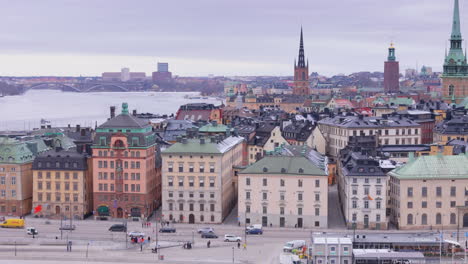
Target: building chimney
{"points": [[49, 126], [77, 128], [134, 112], [83, 132], [112, 111]]}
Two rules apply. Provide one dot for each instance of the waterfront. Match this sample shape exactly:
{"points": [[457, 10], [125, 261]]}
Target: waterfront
{"points": [[63, 108]]}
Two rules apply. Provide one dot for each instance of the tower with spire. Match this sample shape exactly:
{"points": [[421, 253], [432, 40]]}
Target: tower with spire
{"points": [[455, 76], [391, 72], [301, 72]]}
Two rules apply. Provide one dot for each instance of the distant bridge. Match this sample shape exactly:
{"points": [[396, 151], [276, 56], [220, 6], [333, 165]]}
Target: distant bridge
{"points": [[88, 87]]}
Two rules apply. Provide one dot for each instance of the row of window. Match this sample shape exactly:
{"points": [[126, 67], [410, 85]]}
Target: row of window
{"points": [[3, 180], [104, 198], [133, 176], [299, 210], [191, 207], [410, 220], [133, 164], [282, 182], [182, 218], [377, 218], [378, 204], [3, 193], [191, 195], [378, 191], [48, 164], [133, 154], [367, 180], [438, 204], [58, 174], [2, 169], [58, 197], [133, 187], [191, 168], [300, 196], [438, 191], [191, 182], [48, 186]]}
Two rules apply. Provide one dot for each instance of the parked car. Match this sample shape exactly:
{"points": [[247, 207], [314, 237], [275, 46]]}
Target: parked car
{"points": [[67, 227], [295, 244], [254, 231], [31, 231], [232, 238], [208, 235], [206, 230], [136, 234], [167, 230], [118, 228]]}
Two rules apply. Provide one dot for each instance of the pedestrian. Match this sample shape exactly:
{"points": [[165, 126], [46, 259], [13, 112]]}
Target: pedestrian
{"points": [[245, 246], [149, 239], [70, 245], [238, 245], [141, 247], [208, 244]]}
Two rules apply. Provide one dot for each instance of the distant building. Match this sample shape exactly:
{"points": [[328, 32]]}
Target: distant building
{"points": [[126, 171], [200, 112], [123, 76], [63, 184], [163, 73], [455, 75], [430, 193], [283, 192], [301, 73], [198, 179], [16, 175], [453, 128], [411, 73], [163, 67], [332, 249], [391, 72]]}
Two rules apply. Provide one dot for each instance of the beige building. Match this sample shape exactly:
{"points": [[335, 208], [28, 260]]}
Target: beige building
{"points": [[388, 129], [283, 192], [197, 179], [430, 193], [62, 184], [16, 189]]}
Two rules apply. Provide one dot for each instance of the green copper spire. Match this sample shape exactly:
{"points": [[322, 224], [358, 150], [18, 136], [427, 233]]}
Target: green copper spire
{"points": [[391, 53], [456, 32], [124, 109]]}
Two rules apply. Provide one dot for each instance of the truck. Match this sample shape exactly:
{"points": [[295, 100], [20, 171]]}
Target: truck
{"points": [[295, 244], [12, 223]]}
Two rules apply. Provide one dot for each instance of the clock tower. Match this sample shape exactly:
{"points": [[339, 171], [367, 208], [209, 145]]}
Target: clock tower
{"points": [[301, 73]]}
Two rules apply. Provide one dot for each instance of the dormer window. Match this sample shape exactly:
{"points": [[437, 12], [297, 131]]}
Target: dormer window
{"points": [[265, 169], [301, 170]]}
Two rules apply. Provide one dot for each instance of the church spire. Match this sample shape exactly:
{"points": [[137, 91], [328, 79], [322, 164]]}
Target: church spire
{"points": [[456, 31], [301, 62]]}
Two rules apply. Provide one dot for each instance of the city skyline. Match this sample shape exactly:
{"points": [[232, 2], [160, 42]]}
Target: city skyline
{"points": [[80, 38]]}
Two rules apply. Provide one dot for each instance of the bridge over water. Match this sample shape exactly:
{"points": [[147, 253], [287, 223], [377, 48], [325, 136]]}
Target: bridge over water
{"points": [[88, 87]]}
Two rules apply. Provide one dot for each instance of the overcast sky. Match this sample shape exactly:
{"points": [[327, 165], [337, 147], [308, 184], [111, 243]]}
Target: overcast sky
{"points": [[221, 37]]}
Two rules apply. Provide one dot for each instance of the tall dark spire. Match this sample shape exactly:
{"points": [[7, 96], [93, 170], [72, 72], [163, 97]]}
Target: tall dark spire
{"points": [[456, 31], [301, 62]]}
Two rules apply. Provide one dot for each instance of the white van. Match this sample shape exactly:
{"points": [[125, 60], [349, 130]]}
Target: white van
{"points": [[256, 226], [295, 244], [289, 259]]}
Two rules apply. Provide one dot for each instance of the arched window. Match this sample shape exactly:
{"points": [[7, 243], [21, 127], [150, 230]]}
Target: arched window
{"points": [[451, 90], [303, 76], [438, 219], [409, 219], [424, 219], [453, 219]]}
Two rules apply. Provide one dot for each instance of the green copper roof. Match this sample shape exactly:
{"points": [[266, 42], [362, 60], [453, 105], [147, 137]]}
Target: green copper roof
{"points": [[194, 146], [456, 31], [14, 151], [401, 101], [211, 128], [464, 103], [434, 167], [284, 165]]}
